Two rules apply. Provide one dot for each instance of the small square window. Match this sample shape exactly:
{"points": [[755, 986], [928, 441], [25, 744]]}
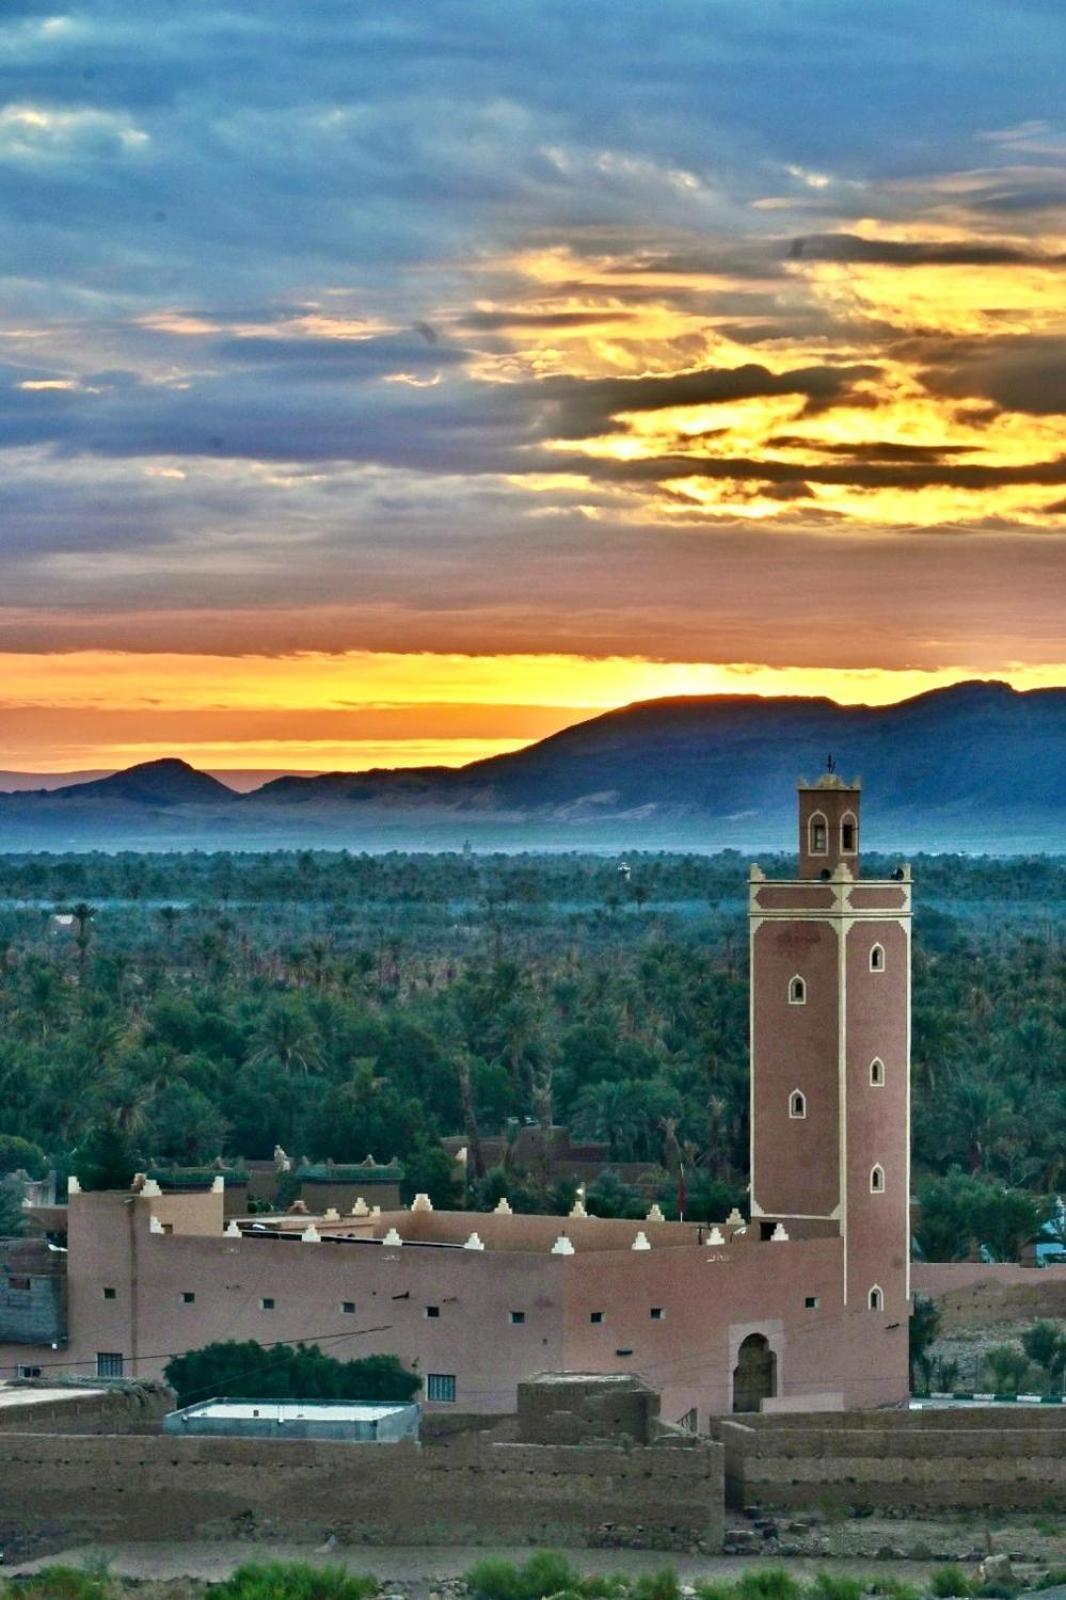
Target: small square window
{"points": [[267, 1303], [595, 1316], [109, 1364], [187, 1297], [348, 1307], [21, 1284], [433, 1311], [657, 1313], [518, 1316], [440, 1386], [28, 1372], [110, 1294], [811, 1302]]}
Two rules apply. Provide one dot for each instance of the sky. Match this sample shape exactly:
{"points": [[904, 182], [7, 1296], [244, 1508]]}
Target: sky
{"points": [[397, 382]]}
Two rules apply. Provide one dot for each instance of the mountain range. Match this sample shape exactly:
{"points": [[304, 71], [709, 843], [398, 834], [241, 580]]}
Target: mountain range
{"points": [[979, 766]]}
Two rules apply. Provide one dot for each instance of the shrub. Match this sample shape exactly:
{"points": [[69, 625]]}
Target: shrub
{"points": [[602, 1586], [950, 1583], [66, 1583], [293, 1580], [894, 1588], [1007, 1368], [836, 1586], [285, 1372], [716, 1591], [661, 1585], [545, 1573], [772, 1583], [1051, 1579], [494, 1579]]}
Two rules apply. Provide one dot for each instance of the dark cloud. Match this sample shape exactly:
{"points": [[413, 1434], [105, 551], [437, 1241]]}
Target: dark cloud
{"points": [[877, 450], [855, 474], [1024, 373], [850, 247], [492, 321], [584, 407]]}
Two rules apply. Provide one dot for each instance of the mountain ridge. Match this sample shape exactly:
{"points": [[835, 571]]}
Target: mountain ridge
{"points": [[973, 759]]}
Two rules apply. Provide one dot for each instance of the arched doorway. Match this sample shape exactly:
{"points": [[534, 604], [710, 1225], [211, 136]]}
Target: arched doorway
{"points": [[755, 1374]]}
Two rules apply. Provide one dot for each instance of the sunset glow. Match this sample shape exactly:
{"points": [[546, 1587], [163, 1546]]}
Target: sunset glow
{"points": [[315, 712], [356, 411]]}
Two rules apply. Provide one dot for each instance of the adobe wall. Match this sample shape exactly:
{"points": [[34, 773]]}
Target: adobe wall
{"points": [[471, 1492], [970, 1461], [105, 1411], [970, 1294]]}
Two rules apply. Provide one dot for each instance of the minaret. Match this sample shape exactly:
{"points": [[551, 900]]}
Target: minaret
{"points": [[830, 1050]]}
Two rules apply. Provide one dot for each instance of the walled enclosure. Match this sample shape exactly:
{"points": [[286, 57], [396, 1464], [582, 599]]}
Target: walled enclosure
{"points": [[474, 1490], [996, 1457]]}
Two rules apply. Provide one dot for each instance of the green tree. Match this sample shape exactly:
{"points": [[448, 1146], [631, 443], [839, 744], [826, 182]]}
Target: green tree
{"points": [[106, 1158], [923, 1329], [1045, 1344], [1007, 1367], [285, 1372]]}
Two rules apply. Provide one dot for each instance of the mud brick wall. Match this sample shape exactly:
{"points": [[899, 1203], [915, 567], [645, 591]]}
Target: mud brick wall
{"points": [[106, 1411], [973, 1461], [473, 1491]]}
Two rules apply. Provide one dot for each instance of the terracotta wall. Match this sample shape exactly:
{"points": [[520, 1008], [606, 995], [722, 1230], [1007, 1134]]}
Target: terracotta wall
{"points": [[971, 1461], [472, 1490]]}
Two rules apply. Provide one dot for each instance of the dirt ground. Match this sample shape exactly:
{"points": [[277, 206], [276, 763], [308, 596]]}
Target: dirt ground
{"points": [[861, 1546]]}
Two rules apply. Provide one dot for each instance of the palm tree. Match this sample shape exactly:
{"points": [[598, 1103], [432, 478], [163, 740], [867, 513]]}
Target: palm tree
{"points": [[83, 915], [286, 1035]]}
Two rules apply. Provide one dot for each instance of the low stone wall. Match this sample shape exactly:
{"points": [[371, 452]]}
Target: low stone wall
{"points": [[125, 1408], [980, 1458], [472, 1491]]}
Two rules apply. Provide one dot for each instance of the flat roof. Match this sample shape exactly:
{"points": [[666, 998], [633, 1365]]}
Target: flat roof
{"points": [[20, 1395], [295, 1410]]}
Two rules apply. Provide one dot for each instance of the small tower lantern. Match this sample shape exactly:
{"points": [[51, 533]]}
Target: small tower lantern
{"points": [[828, 824]]}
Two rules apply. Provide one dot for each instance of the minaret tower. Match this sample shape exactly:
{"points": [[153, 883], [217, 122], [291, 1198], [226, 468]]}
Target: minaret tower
{"points": [[830, 1051]]}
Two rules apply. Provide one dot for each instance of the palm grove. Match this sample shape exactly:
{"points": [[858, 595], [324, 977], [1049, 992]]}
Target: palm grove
{"points": [[177, 1008]]}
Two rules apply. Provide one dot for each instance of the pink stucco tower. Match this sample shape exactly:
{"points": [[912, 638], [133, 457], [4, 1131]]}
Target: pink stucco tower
{"points": [[830, 1052]]}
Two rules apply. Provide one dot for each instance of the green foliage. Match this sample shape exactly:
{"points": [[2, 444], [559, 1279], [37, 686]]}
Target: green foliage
{"points": [[923, 1328], [494, 1579], [893, 1588], [106, 1158], [837, 1586], [20, 1155], [1045, 1344], [960, 1210], [1007, 1368], [66, 1583], [545, 1573], [223, 1003], [661, 1585], [293, 1580], [950, 1583], [1050, 1579], [768, 1583], [285, 1372]]}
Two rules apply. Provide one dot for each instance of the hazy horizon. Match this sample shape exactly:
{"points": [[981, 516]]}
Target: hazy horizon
{"points": [[390, 387]]}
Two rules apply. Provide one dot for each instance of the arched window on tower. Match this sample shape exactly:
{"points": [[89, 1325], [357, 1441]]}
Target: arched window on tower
{"points": [[877, 1073], [875, 1300], [877, 958], [818, 835], [849, 834], [797, 1103], [877, 1180], [797, 992]]}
